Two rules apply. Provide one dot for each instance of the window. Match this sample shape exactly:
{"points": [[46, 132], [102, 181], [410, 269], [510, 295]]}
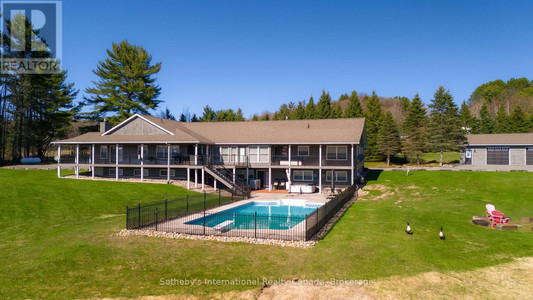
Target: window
{"points": [[264, 154], [253, 152], [162, 152], [498, 156], [163, 173], [340, 176], [175, 151], [137, 172], [258, 154], [113, 173], [336, 152], [303, 175], [113, 154], [303, 150], [103, 152]]}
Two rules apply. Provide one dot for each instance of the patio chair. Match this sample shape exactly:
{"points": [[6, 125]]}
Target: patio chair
{"points": [[275, 184], [496, 217], [283, 184]]}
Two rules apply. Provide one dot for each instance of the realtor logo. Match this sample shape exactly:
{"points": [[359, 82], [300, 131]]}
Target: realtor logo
{"points": [[33, 43]]}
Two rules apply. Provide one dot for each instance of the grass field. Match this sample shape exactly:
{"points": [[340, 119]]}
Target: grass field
{"points": [[59, 236], [426, 160]]}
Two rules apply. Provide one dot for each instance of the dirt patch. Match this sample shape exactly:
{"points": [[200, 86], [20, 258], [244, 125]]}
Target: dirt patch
{"points": [[377, 187]]}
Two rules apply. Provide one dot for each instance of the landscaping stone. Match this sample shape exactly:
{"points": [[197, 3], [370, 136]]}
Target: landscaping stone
{"points": [[506, 226], [527, 220], [481, 221]]}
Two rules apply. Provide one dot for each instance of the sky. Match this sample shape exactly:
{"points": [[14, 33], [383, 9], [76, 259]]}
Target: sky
{"points": [[257, 55]]}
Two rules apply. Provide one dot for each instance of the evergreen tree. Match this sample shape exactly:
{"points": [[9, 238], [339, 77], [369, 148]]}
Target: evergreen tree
{"points": [[354, 109], [486, 124], [323, 107], [126, 84], [519, 121], [255, 118], [373, 123], [166, 114], [444, 127], [194, 118], [310, 109], [344, 97], [209, 115], [239, 117], [336, 111], [299, 112], [282, 113], [503, 124], [415, 129], [466, 118], [265, 117], [183, 118], [389, 137]]}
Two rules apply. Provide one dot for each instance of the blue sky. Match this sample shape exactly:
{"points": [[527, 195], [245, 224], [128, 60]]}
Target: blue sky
{"points": [[257, 55]]}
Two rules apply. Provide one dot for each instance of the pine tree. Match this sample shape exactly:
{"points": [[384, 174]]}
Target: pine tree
{"points": [[310, 109], [282, 113], [265, 117], [336, 111], [209, 115], [486, 124], [415, 129], [239, 117], [183, 118], [354, 109], [503, 124], [389, 137], [255, 118], [466, 118], [373, 123], [194, 118], [299, 112], [166, 114], [323, 107], [519, 121], [444, 127], [126, 84]]}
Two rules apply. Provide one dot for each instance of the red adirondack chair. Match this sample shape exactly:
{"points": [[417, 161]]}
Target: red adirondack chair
{"points": [[496, 217]]}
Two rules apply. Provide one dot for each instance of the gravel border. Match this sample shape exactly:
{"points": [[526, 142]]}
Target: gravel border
{"points": [[173, 235]]}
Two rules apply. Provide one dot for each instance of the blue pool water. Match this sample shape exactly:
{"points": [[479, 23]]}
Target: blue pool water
{"points": [[282, 214]]}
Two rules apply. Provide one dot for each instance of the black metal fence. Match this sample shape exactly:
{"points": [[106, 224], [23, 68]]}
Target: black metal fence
{"points": [[193, 215], [323, 214]]}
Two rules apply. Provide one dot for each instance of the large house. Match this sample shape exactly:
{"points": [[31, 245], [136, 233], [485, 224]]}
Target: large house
{"points": [[304, 153], [507, 149]]}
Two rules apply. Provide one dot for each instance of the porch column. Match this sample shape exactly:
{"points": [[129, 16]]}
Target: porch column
{"points": [[58, 161], [92, 162], [289, 183], [269, 179], [215, 184], [203, 179], [188, 178], [234, 174], [195, 178], [116, 162], [352, 166], [77, 160], [247, 174], [195, 154], [142, 162], [320, 169], [168, 163]]}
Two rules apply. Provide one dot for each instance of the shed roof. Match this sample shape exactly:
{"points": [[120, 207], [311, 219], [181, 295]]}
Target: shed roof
{"points": [[500, 139]]}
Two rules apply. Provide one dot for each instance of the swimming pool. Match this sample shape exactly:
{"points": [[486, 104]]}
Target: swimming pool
{"points": [[280, 214]]}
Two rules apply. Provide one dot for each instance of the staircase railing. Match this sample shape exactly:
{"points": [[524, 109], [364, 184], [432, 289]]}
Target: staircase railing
{"points": [[238, 186]]}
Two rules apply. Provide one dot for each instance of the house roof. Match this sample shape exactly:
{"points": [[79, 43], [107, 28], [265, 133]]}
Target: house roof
{"points": [[330, 131], [500, 139]]}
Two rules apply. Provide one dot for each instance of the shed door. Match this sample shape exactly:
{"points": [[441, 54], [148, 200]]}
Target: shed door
{"points": [[529, 156], [498, 156]]}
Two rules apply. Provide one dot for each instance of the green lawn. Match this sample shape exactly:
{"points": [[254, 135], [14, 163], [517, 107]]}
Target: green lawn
{"points": [[59, 236], [426, 160]]}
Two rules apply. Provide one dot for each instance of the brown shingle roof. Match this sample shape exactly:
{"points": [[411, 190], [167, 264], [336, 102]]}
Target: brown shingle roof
{"points": [[258, 132], [500, 139]]}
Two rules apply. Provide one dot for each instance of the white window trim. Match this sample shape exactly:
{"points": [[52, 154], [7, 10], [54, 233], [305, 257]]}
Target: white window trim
{"points": [[301, 147], [328, 176], [111, 172], [303, 172], [137, 172], [157, 152], [336, 152], [106, 151], [172, 173], [145, 150]]}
